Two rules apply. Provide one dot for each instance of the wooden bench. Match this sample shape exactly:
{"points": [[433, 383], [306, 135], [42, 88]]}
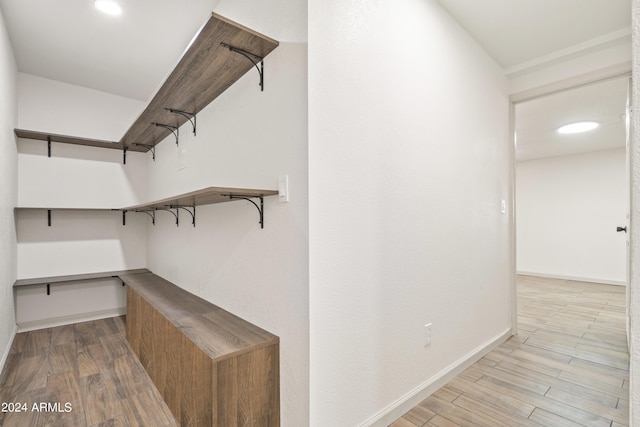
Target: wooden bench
{"points": [[211, 367]]}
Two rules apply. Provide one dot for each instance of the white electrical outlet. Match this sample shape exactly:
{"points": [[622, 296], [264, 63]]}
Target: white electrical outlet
{"points": [[427, 334]]}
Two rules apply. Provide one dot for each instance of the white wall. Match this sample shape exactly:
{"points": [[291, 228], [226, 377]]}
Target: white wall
{"points": [[76, 177], [56, 107], [248, 138], [568, 208], [408, 164], [8, 189]]}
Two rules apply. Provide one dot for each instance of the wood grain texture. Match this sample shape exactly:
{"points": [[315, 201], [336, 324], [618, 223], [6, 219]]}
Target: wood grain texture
{"points": [[567, 367], [44, 136], [205, 70], [88, 365], [211, 367], [205, 196], [217, 332]]}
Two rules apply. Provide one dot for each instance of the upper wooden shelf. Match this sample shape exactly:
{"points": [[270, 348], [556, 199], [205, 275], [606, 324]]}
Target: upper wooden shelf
{"points": [[206, 69], [206, 196]]}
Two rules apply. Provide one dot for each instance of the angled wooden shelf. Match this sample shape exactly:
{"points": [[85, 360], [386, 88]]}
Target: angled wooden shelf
{"points": [[211, 63], [206, 69]]}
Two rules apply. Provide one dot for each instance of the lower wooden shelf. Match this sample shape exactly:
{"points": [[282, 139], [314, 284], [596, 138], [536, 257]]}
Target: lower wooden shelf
{"points": [[75, 277], [211, 367]]}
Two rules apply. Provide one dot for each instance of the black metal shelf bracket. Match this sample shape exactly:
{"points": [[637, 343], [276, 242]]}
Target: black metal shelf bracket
{"points": [[124, 155], [48, 146], [151, 148], [172, 213], [152, 215], [260, 208], [124, 217], [49, 217], [190, 116], [190, 209], [48, 289], [174, 129], [251, 57]]}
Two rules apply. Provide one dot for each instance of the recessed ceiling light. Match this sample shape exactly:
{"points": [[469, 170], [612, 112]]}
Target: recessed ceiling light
{"points": [[578, 127], [109, 7]]}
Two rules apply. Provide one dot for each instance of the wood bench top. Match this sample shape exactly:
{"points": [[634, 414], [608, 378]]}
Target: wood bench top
{"points": [[218, 333]]}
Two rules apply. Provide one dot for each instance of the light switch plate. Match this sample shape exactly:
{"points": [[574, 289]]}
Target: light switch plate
{"points": [[283, 188]]}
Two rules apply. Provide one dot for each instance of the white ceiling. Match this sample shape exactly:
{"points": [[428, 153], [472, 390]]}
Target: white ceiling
{"points": [[519, 34], [130, 55], [537, 121], [127, 55], [514, 32]]}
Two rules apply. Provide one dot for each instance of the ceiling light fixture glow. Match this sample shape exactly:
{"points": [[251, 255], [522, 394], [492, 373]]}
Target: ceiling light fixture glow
{"points": [[578, 127], [109, 7]]}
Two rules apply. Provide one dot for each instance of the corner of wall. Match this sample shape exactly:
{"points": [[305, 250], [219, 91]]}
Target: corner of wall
{"points": [[634, 285], [8, 189]]}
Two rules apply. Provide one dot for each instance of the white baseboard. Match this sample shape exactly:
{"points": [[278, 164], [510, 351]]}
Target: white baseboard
{"points": [[398, 408], [67, 320], [5, 353], [573, 278]]}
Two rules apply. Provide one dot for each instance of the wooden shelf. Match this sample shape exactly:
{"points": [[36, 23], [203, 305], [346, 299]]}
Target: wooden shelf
{"points": [[45, 208], [206, 196], [44, 136], [187, 201], [205, 70], [76, 277], [211, 367]]}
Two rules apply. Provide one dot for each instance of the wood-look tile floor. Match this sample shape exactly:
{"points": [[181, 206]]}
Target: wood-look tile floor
{"points": [[85, 374], [568, 366]]}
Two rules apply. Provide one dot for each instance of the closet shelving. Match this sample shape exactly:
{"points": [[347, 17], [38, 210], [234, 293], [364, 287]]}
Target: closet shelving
{"points": [[221, 53], [50, 210], [48, 281], [185, 202], [207, 196]]}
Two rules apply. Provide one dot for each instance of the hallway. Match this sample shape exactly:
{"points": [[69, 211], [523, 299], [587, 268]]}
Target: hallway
{"points": [[568, 366]]}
